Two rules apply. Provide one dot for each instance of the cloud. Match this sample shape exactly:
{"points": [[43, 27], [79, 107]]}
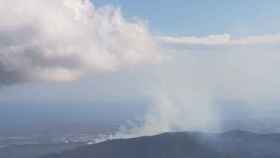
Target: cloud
{"points": [[220, 40], [62, 40]]}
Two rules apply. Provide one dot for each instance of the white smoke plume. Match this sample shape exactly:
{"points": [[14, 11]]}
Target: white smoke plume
{"points": [[215, 83], [62, 40]]}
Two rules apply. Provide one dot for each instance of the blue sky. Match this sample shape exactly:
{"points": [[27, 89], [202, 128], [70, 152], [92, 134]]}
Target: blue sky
{"points": [[204, 17]]}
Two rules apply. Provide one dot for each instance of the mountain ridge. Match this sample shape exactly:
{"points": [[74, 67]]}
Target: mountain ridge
{"points": [[231, 144]]}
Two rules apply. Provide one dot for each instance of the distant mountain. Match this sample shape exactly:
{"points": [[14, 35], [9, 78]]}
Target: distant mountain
{"points": [[34, 150], [233, 144]]}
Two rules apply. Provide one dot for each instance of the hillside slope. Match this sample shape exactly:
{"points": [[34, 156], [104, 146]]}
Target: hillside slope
{"points": [[234, 144]]}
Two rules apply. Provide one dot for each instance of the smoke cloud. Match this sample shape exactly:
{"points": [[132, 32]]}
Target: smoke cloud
{"points": [[215, 83], [62, 40]]}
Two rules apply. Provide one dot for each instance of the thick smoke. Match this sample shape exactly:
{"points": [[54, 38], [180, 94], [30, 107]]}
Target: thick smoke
{"points": [[62, 40], [215, 83]]}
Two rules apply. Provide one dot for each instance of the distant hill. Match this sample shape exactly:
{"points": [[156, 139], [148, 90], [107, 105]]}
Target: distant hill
{"points": [[234, 144], [34, 150]]}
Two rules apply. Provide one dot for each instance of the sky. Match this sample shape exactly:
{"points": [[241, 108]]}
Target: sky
{"points": [[177, 65], [203, 17]]}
